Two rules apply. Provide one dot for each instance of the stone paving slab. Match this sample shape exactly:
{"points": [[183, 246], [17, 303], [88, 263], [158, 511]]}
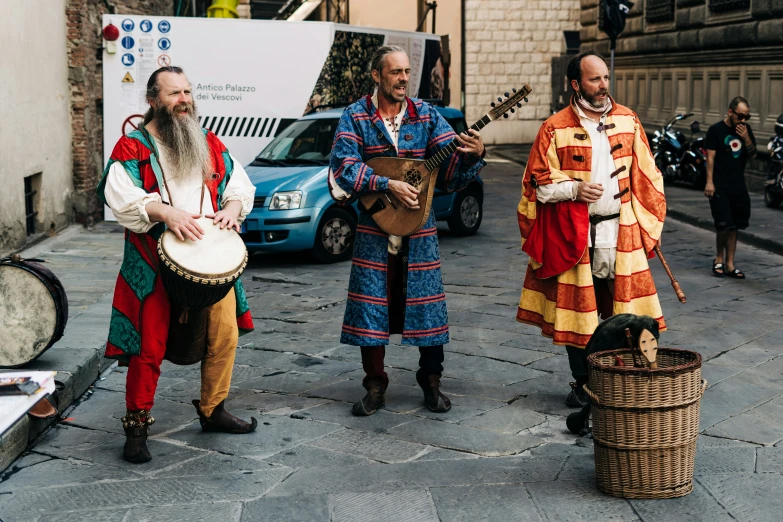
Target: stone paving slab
{"points": [[748, 497], [397, 506], [762, 425], [509, 419], [273, 435], [129, 493], [307, 456], [450, 436], [300, 508], [105, 449], [340, 413], [484, 503], [373, 446], [436, 473], [577, 500], [769, 460], [697, 506]]}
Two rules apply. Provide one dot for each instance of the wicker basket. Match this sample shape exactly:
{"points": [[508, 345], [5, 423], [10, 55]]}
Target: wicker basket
{"points": [[645, 423]]}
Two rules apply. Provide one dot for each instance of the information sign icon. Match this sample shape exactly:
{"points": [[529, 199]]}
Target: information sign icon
{"points": [[164, 26], [127, 42], [145, 26], [164, 44], [128, 25], [128, 59]]}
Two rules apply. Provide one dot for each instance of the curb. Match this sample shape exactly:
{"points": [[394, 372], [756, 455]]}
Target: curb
{"points": [[78, 364], [749, 238]]}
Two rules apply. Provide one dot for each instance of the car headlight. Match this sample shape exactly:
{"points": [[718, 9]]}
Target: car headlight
{"points": [[286, 200]]}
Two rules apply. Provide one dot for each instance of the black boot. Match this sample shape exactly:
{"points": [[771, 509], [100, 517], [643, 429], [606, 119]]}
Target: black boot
{"points": [[373, 401], [577, 398], [136, 424], [433, 398], [222, 421]]}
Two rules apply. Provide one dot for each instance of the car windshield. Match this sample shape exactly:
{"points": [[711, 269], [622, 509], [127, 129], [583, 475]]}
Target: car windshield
{"points": [[304, 142]]}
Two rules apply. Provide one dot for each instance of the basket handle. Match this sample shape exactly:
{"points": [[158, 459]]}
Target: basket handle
{"points": [[593, 396], [703, 386]]}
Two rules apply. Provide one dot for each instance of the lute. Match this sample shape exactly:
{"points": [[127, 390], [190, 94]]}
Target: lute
{"points": [[387, 211]]}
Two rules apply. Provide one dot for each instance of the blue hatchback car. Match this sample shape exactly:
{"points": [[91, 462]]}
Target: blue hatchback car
{"points": [[293, 210]]}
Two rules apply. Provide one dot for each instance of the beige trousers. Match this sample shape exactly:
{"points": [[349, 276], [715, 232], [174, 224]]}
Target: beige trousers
{"points": [[218, 364]]}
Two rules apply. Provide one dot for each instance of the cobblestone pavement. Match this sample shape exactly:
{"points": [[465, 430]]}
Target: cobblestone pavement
{"points": [[501, 453]]}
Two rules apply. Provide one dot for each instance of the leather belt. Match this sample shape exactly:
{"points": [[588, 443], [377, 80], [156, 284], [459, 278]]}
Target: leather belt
{"points": [[594, 220]]}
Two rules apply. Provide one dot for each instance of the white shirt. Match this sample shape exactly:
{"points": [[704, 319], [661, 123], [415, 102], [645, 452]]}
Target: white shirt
{"points": [[128, 202], [602, 167]]}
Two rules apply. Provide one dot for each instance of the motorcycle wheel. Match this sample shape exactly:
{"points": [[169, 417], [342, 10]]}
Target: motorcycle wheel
{"points": [[772, 199]]}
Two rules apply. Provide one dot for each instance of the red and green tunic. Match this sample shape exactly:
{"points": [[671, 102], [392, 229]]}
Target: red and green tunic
{"points": [[138, 275]]}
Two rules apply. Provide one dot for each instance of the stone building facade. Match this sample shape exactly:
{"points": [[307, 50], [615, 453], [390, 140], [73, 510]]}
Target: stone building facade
{"points": [[35, 141], [85, 55], [508, 43], [681, 56]]}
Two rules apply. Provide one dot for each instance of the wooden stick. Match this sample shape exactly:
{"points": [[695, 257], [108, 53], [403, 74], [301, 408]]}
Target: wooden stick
{"points": [[675, 284]]}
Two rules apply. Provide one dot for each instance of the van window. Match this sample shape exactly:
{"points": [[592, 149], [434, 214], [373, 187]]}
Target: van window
{"points": [[304, 141]]}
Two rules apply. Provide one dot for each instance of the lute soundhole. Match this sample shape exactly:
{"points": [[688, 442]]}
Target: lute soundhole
{"points": [[412, 177]]}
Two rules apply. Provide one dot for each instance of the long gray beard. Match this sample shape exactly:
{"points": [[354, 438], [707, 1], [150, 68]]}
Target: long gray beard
{"points": [[188, 150]]}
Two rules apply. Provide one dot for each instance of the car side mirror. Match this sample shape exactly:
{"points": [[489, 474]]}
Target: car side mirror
{"points": [[695, 127]]}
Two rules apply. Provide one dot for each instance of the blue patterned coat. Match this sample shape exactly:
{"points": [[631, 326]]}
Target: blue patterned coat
{"points": [[361, 135]]}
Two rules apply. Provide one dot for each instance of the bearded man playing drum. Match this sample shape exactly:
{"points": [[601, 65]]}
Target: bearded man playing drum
{"points": [[158, 178]]}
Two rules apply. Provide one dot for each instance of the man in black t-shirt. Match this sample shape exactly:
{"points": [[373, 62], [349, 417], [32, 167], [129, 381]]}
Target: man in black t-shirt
{"points": [[729, 144]]}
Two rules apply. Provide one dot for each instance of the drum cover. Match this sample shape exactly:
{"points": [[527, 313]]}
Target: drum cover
{"points": [[29, 316], [220, 253]]}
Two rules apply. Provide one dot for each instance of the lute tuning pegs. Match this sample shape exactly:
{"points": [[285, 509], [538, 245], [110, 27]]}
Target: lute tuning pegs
{"points": [[512, 111], [492, 104], [505, 94], [500, 99], [525, 99], [513, 90], [505, 115], [519, 105]]}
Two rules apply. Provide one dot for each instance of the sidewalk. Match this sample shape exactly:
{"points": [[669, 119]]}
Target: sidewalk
{"points": [[690, 206], [87, 264]]}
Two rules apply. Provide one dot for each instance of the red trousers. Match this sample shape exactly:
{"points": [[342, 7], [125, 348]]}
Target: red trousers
{"points": [[216, 368]]}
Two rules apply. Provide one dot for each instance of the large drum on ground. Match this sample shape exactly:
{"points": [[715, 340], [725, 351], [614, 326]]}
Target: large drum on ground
{"points": [[33, 311], [198, 274]]}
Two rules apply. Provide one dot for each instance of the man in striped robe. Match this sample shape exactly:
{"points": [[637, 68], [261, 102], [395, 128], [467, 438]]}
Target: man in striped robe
{"points": [[396, 285], [591, 213]]}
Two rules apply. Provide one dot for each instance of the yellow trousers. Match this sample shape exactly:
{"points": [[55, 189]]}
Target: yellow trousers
{"points": [[218, 364]]}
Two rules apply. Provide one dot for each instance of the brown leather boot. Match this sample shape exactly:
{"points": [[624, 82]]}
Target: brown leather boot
{"points": [[373, 401], [222, 421], [433, 398], [136, 424]]}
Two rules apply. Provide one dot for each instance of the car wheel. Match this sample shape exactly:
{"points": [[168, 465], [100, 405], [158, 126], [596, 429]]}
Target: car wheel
{"points": [[466, 214], [334, 236]]}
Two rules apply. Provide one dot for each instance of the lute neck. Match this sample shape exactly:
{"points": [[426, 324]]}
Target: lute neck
{"points": [[434, 162]]}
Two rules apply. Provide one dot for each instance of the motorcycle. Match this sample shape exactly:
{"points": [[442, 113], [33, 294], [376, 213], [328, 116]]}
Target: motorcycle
{"points": [[773, 188], [679, 160]]}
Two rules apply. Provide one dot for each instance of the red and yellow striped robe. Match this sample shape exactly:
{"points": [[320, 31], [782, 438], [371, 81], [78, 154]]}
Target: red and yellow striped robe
{"points": [[558, 294]]}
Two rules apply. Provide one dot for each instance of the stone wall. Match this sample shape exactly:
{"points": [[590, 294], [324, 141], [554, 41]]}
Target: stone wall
{"points": [[508, 43], [35, 137], [694, 56], [85, 55]]}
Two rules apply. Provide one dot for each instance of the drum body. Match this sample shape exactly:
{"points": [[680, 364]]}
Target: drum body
{"points": [[33, 311], [198, 274]]}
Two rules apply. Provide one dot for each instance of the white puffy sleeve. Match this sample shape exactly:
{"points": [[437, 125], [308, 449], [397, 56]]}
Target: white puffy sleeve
{"points": [[239, 188], [555, 192], [127, 201]]}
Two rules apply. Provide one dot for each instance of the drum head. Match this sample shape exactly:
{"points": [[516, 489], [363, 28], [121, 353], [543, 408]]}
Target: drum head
{"points": [[28, 316], [220, 253]]}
